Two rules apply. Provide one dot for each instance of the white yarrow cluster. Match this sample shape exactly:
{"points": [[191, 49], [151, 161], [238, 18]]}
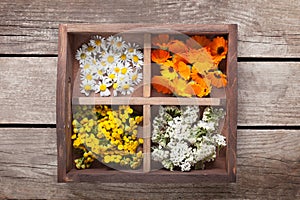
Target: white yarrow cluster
{"points": [[183, 141], [109, 66]]}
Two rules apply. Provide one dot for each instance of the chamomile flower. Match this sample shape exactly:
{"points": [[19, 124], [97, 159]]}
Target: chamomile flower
{"points": [[102, 88], [86, 67], [131, 48], [111, 41], [119, 44], [98, 42], [99, 72], [110, 58], [87, 86], [136, 77], [126, 87], [86, 76], [137, 59], [81, 56]]}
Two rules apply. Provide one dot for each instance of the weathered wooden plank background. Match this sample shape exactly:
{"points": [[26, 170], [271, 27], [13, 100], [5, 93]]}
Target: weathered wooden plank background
{"points": [[268, 151]]}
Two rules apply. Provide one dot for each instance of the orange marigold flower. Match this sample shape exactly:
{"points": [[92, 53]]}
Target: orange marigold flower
{"points": [[197, 42], [198, 55], [183, 69], [160, 56], [217, 78], [179, 57], [200, 89], [177, 46], [161, 40], [196, 75], [182, 88], [218, 48], [162, 84]]}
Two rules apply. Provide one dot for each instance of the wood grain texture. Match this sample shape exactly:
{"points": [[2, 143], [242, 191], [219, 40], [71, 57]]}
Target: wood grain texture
{"points": [[268, 92], [268, 167], [267, 28], [27, 90]]}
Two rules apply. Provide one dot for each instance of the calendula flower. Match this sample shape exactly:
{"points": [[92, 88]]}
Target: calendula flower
{"points": [[162, 84], [160, 56], [161, 40], [183, 69], [197, 42], [177, 46], [200, 55], [200, 89], [182, 88], [217, 78], [218, 48], [168, 72]]}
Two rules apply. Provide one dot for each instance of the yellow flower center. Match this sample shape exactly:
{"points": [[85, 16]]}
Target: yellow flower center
{"points": [[98, 42], [83, 56], [86, 66], [87, 87], [100, 72], [123, 57], [115, 85], [117, 69], [135, 58], [124, 70], [134, 77], [119, 44], [126, 86], [103, 63], [102, 87], [130, 50], [112, 76], [90, 48], [89, 77], [110, 59]]}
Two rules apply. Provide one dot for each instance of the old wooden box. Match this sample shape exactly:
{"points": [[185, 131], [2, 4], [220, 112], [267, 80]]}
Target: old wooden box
{"points": [[146, 99]]}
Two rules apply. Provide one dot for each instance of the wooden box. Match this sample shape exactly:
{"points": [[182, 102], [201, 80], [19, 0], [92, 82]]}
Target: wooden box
{"points": [[72, 36]]}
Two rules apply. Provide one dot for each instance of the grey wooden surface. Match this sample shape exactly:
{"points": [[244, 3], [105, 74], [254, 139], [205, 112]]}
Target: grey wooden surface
{"points": [[268, 146]]}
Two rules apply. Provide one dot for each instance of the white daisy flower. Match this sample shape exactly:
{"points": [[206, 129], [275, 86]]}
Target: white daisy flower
{"points": [[137, 59], [131, 48], [86, 67], [99, 72], [111, 41], [126, 87], [98, 42], [119, 44], [102, 89], [110, 58], [87, 86], [81, 56], [136, 77], [86, 76]]}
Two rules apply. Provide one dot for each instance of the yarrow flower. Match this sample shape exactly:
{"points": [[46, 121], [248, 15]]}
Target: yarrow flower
{"points": [[182, 141], [109, 58], [191, 65]]}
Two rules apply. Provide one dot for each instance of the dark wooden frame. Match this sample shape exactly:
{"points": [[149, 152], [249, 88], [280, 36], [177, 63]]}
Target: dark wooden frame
{"points": [[65, 81]]}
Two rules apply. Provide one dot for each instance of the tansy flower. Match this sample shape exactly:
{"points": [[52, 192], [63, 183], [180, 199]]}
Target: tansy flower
{"points": [[218, 48], [217, 78], [197, 42], [182, 88], [162, 84], [160, 56], [161, 41], [183, 70], [168, 72], [177, 46]]}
